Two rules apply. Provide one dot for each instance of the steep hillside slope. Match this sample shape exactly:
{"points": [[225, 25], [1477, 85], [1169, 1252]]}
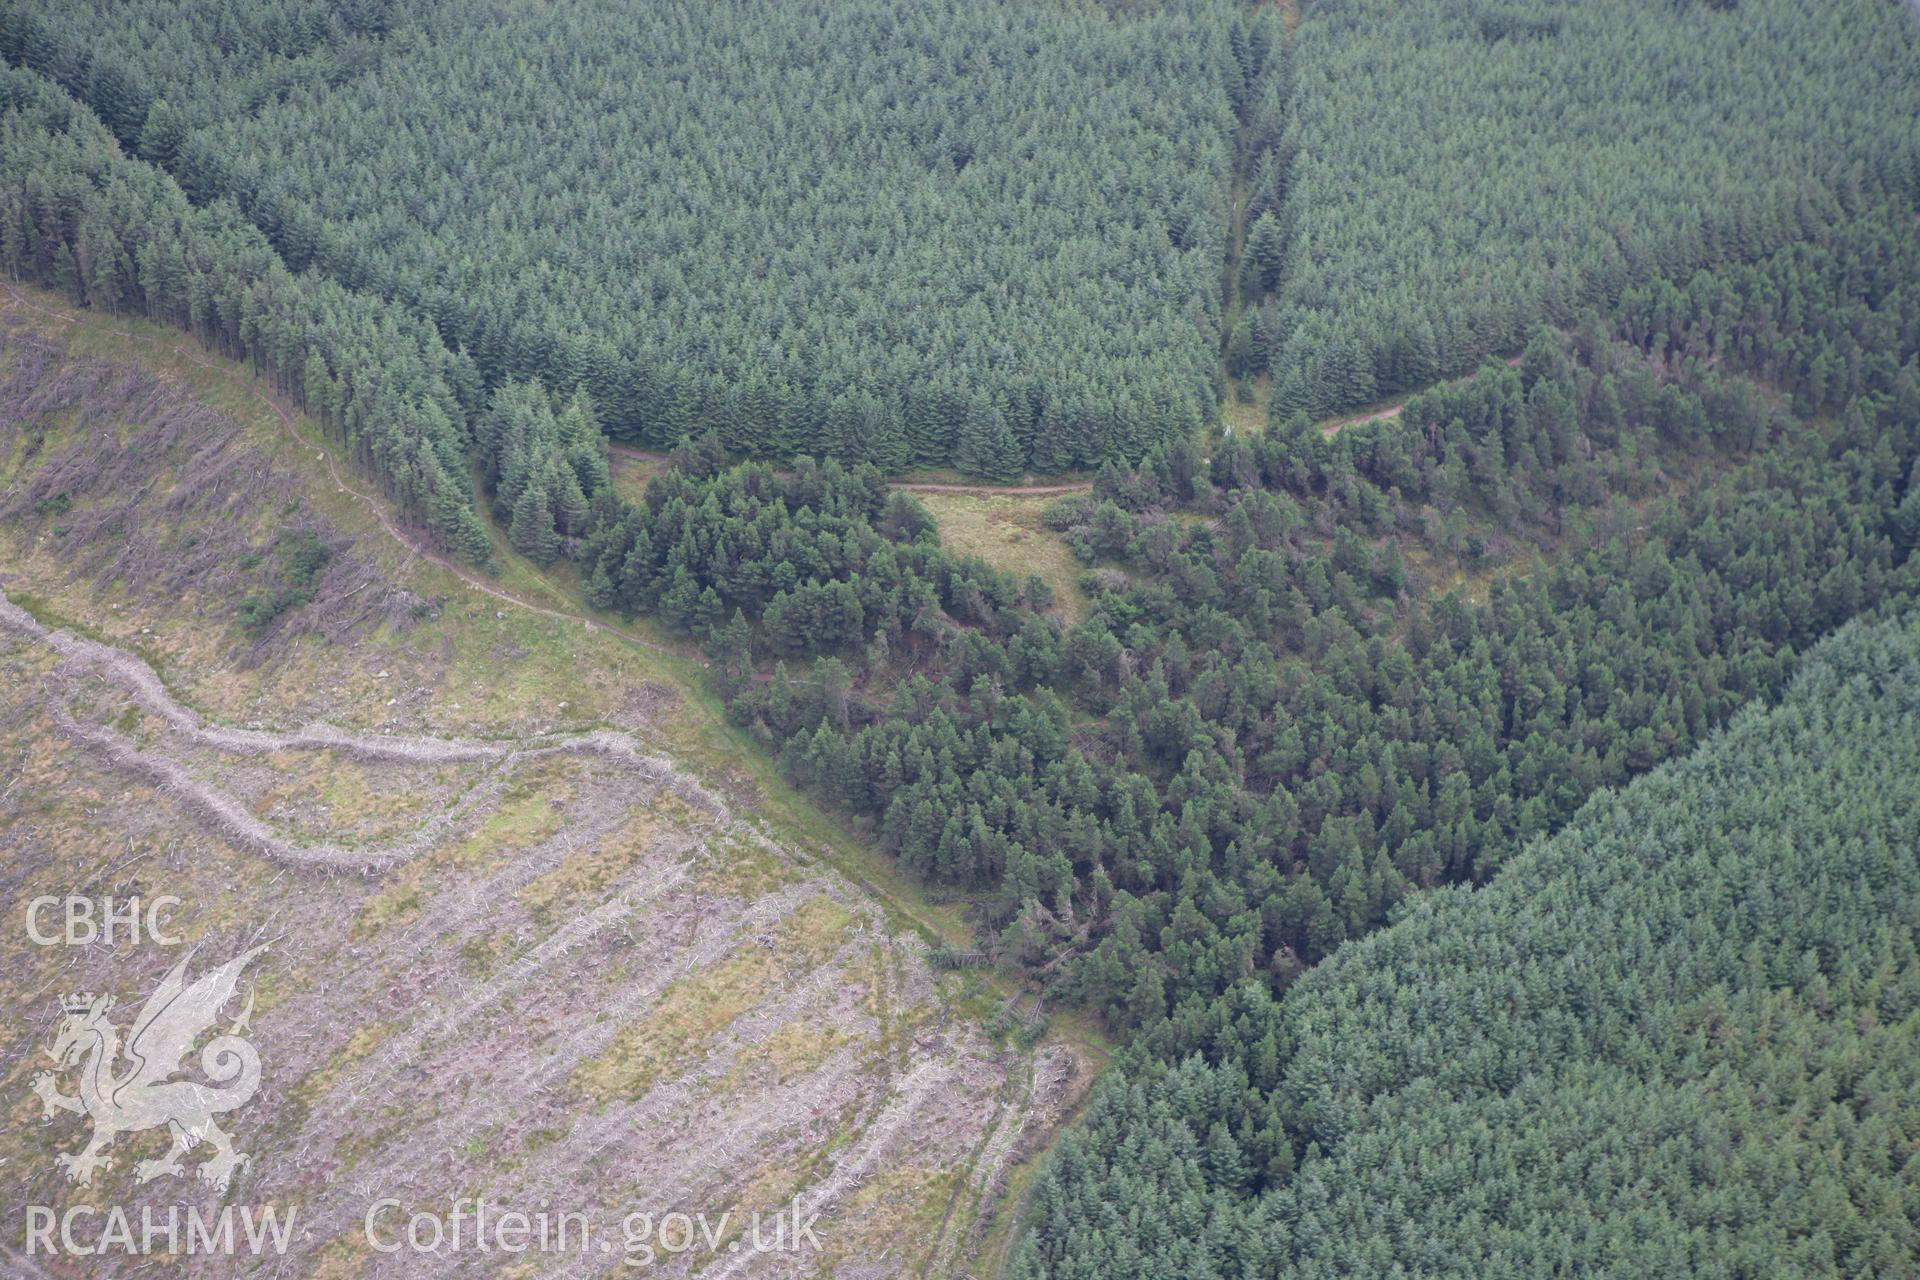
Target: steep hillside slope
{"points": [[1678, 1039], [517, 947]]}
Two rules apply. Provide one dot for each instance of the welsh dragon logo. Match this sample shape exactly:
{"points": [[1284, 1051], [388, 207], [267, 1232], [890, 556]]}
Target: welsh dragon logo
{"points": [[141, 1092]]}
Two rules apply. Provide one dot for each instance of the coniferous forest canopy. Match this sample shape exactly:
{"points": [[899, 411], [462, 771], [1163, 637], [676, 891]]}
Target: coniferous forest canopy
{"points": [[1649, 275], [1679, 1038], [1455, 171], [989, 234]]}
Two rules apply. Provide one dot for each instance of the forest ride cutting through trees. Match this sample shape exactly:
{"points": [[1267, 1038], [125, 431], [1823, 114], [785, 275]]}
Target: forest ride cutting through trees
{"points": [[1387, 411]]}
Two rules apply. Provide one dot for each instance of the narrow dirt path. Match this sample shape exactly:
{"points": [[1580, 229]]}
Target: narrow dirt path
{"points": [[996, 490], [228, 815], [1331, 425], [414, 545]]}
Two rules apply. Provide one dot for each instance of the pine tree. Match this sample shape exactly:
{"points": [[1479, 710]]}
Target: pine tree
{"points": [[532, 533], [161, 134], [1266, 254], [987, 447]]}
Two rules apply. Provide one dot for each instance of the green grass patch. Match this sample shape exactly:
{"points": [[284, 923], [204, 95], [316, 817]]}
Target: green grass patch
{"points": [[1009, 532]]}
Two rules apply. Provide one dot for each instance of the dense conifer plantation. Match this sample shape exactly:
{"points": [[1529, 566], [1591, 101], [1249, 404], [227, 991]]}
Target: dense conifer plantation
{"points": [[987, 234], [1282, 732], [1270, 733], [1457, 170], [1327, 678], [1681, 1038]]}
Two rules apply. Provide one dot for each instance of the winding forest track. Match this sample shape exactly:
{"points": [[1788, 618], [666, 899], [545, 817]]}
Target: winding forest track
{"points": [[413, 545], [995, 490], [228, 815], [1332, 425]]}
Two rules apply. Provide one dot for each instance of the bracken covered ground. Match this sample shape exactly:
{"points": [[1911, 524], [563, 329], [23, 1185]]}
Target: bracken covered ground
{"points": [[517, 946]]}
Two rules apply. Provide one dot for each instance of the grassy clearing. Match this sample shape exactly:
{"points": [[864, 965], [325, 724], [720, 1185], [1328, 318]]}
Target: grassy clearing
{"points": [[902, 1209], [1009, 532], [816, 930], [742, 869], [674, 1034], [529, 812], [349, 795], [947, 475], [795, 1050], [630, 475], [1243, 417]]}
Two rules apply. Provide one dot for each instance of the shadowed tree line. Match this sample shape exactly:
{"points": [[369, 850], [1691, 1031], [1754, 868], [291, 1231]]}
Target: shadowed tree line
{"points": [[983, 235]]}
